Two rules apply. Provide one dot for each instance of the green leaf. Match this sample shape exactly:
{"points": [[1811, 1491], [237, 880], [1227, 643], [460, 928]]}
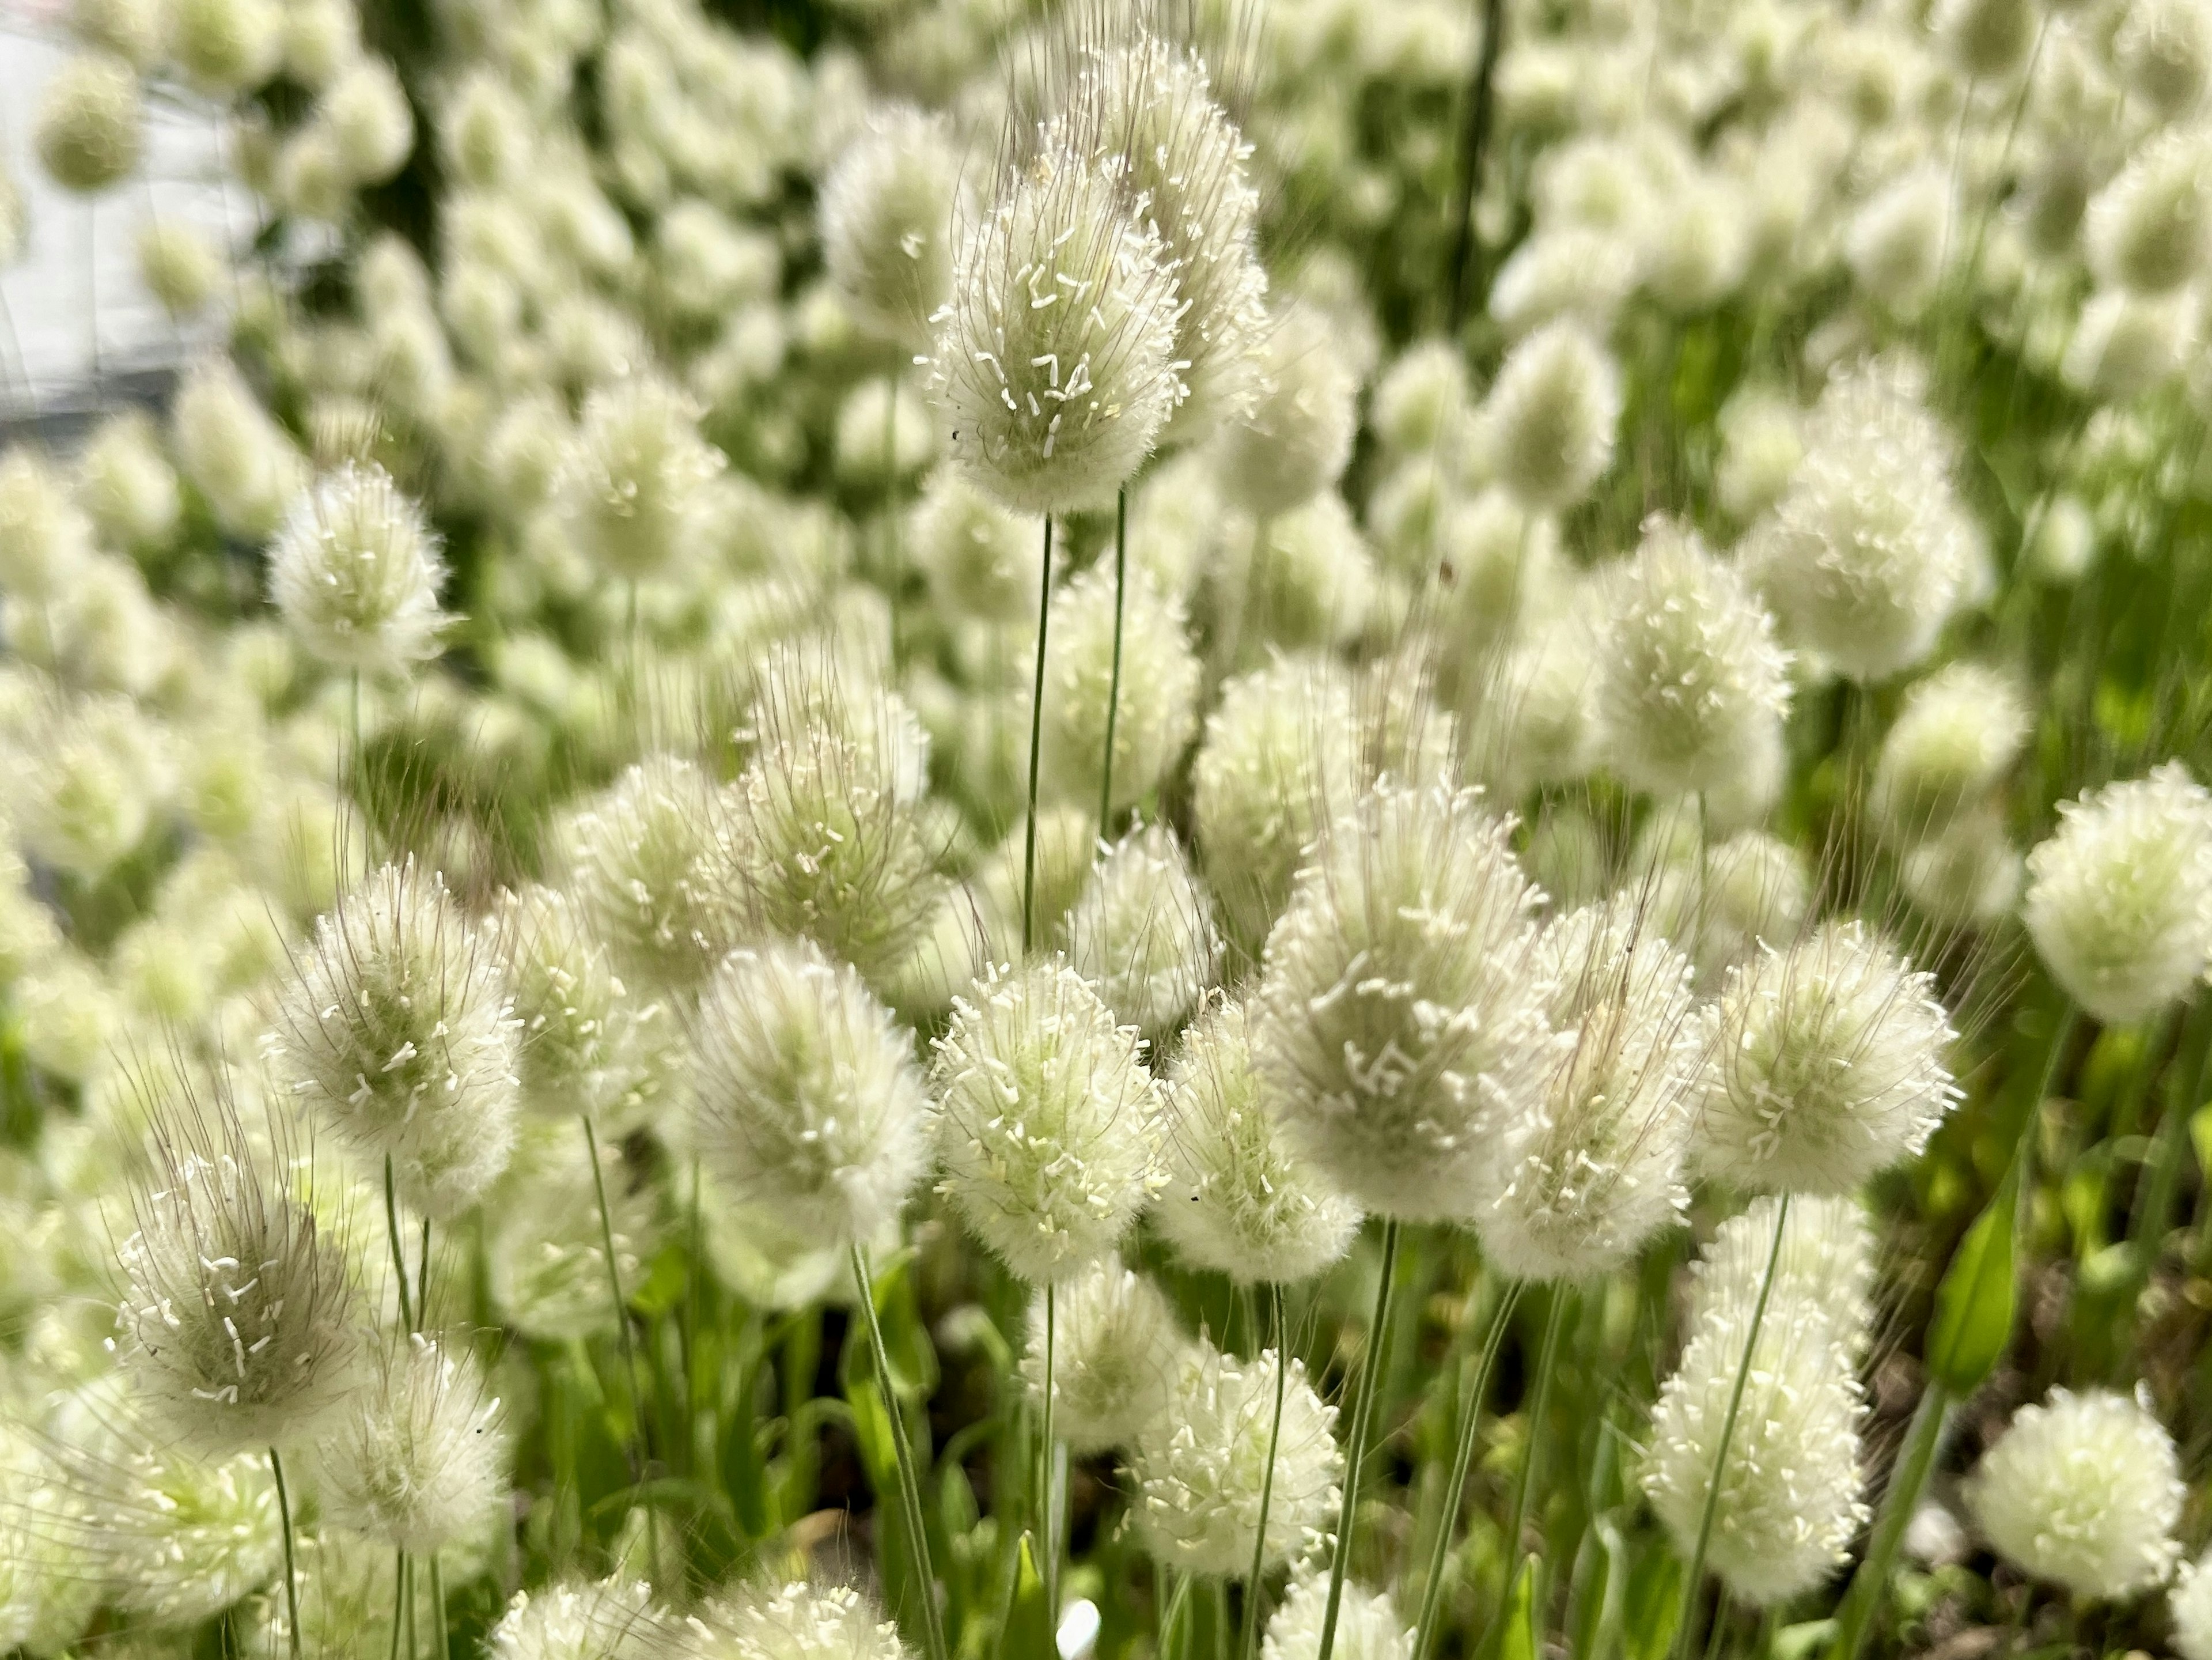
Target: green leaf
{"points": [[1520, 1640], [1029, 1622], [1974, 1305], [1655, 1603]]}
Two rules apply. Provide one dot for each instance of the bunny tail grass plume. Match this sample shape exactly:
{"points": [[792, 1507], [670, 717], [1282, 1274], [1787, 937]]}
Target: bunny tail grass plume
{"points": [[980, 559], [581, 1032], [397, 1031], [349, 1602], [1690, 685], [1149, 103], [1296, 438], [1368, 1626], [790, 1620], [1594, 1167], [581, 1619], [2150, 229], [546, 1247], [1398, 1024], [1047, 1125], [824, 837], [355, 568], [635, 858], [1788, 1502], [1143, 933], [1054, 361], [1159, 678], [807, 1099], [1200, 1467], [1868, 552], [632, 484], [1239, 1200], [44, 538], [1830, 1065], [2192, 1610], [235, 1320], [1959, 734], [89, 130], [420, 1460], [2085, 1491], [2119, 898], [1551, 415], [125, 485], [1116, 1349], [228, 445], [887, 208]]}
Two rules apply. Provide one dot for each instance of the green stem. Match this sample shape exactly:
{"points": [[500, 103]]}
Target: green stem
{"points": [[1036, 735], [423, 1280], [291, 1566], [1378, 1336], [622, 1332], [1048, 1487], [1470, 1417], [1863, 1598], [398, 1601], [398, 1256], [438, 1607], [902, 1449], [1474, 137], [1113, 686], [1251, 1621], [1692, 1580], [1540, 1396]]}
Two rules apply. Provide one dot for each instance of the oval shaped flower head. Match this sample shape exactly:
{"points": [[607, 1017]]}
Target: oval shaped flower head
{"points": [[227, 444], [419, 1462], [1368, 1624], [634, 479], [1422, 399], [1987, 38], [1756, 891], [2192, 1610], [178, 1538], [1957, 734], [93, 774], [125, 485], [89, 126], [1302, 580], [1396, 1024], [1158, 709], [633, 858], [580, 1619], [1868, 552], [356, 570], [980, 559], [1240, 1200], [1594, 1167], [1053, 360], [1970, 875], [1199, 1467], [45, 540], [808, 1100], [2164, 49], [1281, 744], [1829, 1065], [545, 1256], [1896, 243], [1116, 1349], [888, 208], [224, 47], [396, 1031], [1690, 682], [1295, 440], [2084, 1491], [364, 110], [790, 1622], [2119, 898], [235, 1317], [2150, 229], [1143, 933], [1551, 415], [1155, 109], [1046, 1123], [575, 1014]]}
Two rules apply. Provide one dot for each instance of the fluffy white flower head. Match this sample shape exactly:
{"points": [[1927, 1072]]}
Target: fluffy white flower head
{"points": [[420, 1460], [355, 569], [1143, 933], [1116, 1350]]}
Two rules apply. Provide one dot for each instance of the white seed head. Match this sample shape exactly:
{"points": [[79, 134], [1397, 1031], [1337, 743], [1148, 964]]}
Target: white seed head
{"points": [[2164, 49], [1054, 361], [885, 434], [1756, 892], [1368, 1624], [545, 1254], [1143, 933], [1869, 552], [1959, 734], [2084, 1490], [1239, 1200], [2191, 1609], [227, 444], [789, 1621], [125, 485], [1594, 1167], [89, 124], [224, 47], [1304, 581], [364, 109], [2125, 344], [1762, 441], [180, 266], [397, 1031], [1531, 722], [1690, 682], [1551, 415], [1789, 1503], [1987, 38], [45, 540], [634, 862], [1158, 709], [93, 773], [1830, 1065], [1116, 1349], [579, 1029], [887, 208], [2150, 229], [580, 1619], [1969, 874], [1396, 1022], [980, 559], [1296, 438], [2119, 898], [809, 1102], [1047, 1124], [1896, 245], [1200, 1467], [419, 1461], [633, 482], [1424, 398], [356, 570]]}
